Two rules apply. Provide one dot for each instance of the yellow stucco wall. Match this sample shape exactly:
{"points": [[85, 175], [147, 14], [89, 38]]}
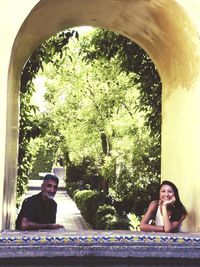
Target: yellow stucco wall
{"points": [[181, 120], [12, 15], [165, 30]]}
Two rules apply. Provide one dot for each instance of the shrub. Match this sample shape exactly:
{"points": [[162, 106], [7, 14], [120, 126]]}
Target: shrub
{"points": [[100, 218], [115, 223], [88, 201], [71, 187]]}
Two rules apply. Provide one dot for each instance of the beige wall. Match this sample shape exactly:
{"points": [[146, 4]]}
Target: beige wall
{"points": [[161, 27], [12, 15], [180, 115]]}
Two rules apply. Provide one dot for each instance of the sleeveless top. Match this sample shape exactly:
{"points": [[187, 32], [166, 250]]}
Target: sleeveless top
{"points": [[159, 219]]}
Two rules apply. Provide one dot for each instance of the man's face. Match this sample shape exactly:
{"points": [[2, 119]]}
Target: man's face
{"points": [[49, 189]]}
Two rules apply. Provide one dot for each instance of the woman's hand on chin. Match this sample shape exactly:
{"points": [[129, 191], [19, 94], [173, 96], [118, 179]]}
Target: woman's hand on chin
{"points": [[169, 202]]}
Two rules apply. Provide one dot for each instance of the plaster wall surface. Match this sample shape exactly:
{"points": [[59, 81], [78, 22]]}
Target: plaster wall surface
{"points": [[180, 117], [166, 30], [12, 15]]}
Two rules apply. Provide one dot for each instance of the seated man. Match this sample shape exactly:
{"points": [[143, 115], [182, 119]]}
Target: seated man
{"points": [[39, 211]]}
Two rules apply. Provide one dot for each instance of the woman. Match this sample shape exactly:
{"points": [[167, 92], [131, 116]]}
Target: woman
{"points": [[168, 212]]}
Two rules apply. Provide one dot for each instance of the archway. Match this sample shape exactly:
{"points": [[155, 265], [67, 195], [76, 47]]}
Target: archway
{"points": [[170, 43]]}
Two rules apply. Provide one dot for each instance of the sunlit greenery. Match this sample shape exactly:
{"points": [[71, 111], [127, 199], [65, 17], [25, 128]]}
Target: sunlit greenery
{"points": [[97, 119], [29, 125]]}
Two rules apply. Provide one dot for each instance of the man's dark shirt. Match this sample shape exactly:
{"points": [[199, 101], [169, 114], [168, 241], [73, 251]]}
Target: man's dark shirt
{"points": [[35, 210]]}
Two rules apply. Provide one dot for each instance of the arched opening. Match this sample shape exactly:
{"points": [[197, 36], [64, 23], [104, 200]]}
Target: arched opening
{"points": [[169, 42]]}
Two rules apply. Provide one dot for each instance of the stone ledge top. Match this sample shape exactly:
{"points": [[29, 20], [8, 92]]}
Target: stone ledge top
{"points": [[105, 244]]}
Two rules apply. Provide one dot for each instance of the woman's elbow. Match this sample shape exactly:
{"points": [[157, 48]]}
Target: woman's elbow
{"points": [[168, 229], [142, 227]]}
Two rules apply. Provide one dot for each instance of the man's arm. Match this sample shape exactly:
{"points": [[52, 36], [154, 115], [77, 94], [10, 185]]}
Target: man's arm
{"points": [[26, 224]]}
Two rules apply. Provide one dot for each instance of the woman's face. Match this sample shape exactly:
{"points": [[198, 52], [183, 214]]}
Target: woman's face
{"points": [[166, 192]]}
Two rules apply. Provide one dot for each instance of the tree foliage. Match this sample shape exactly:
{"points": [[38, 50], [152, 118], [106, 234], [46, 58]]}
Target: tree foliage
{"points": [[131, 59], [101, 134], [102, 118], [29, 125]]}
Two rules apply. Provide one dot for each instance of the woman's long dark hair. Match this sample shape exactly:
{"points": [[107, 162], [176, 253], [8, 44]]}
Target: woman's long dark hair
{"points": [[178, 208]]}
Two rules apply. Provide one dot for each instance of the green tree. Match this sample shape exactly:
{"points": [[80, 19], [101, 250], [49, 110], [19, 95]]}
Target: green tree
{"points": [[91, 111], [29, 126], [96, 120], [132, 58]]}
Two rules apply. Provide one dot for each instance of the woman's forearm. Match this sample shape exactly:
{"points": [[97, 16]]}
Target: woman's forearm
{"points": [[151, 228], [168, 226]]}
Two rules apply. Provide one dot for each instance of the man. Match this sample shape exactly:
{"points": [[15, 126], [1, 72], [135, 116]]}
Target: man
{"points": [[39, 211]]}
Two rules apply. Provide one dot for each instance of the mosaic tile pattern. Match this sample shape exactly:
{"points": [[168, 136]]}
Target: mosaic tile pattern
{"points": [[93, 238]]}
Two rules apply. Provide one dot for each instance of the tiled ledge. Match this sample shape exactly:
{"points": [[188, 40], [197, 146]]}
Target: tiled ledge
{"points": [[113, 244]]}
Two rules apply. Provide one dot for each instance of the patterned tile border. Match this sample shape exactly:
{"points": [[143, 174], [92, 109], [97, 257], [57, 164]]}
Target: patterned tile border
{"points": [[94, 238]]}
